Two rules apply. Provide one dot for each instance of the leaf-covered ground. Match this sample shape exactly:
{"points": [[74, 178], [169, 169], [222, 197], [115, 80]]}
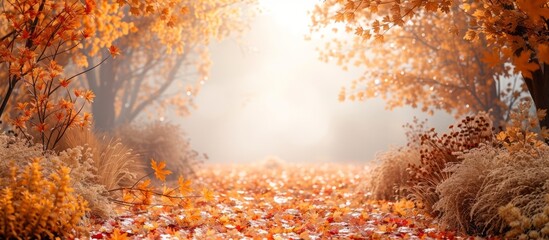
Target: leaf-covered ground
{"points": [[271, 201]]}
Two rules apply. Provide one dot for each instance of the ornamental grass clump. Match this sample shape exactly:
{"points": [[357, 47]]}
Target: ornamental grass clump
{"points": [[491, 178], [116, 165], [389, 178], [436, 152], [501, 188]]}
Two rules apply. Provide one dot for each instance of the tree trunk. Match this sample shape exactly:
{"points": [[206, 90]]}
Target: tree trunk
{"points": [[103, 109], [538, 87]]}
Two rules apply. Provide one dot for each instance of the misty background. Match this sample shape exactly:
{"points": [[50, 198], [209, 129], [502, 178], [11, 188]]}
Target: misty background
{"points": [[271, 96]]}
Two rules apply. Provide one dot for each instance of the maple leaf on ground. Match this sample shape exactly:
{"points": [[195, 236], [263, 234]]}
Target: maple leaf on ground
{"points": [[523, 64], [116, 235], [184, 185], [159, 170], [207, 194]]}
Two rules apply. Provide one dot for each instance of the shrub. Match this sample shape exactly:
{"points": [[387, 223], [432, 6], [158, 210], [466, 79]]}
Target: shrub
{"points": [[500, 186], [273, 163], [83, 179], [389, 179], [163, 142], [490, 178], [33, 205], [436, 152], [459, 192]]}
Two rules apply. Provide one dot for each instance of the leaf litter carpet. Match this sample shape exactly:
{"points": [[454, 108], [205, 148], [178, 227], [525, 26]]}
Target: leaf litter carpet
{"points": [[275, 201]]}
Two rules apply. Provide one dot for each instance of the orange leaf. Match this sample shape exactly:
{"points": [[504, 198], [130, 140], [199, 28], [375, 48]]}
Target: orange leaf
{"points": [[144, 185], [41, 127], [523, 64], [535, 9], [184, 185], [89, 96], [159, 170], [116, 235], [339, 17], [115, 51], [543, 53], [208, 194], [90, 6], [64, 82], [491, 58]]}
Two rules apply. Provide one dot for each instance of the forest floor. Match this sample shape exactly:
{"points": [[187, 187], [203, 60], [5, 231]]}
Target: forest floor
{"points": [[274, 201]]}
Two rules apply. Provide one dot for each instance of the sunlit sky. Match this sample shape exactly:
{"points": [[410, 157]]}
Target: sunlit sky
{"points": [[271, 96]]}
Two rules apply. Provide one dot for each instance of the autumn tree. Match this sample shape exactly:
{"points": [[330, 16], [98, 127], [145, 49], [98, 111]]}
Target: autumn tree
{"points": [[424, 63], [512, 31], [36, 38], [164, 59]]}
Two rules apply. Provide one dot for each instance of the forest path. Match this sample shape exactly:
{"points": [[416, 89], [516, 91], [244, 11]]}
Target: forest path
{"points": [[280, 201]]}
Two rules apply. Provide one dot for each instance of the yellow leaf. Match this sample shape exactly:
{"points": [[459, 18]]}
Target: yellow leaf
{"points": [[501, 136], [159, 170], [382, 228], [470, 35], [465, 7], [184, 185], [116, 235], [207, 194]]}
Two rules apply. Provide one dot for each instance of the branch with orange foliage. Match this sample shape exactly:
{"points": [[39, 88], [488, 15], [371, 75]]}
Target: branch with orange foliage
{"points": [[514, 31], [140, 196], [38, 38], [424, 62]]}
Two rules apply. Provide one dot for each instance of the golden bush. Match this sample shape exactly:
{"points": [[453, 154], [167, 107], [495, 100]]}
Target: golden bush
{"points": [[33, 205]]}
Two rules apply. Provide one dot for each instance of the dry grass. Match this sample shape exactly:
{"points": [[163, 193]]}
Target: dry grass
{"points": [[161, 142], [116, 165], [389, 178], [488, 179], [459, 192]]}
